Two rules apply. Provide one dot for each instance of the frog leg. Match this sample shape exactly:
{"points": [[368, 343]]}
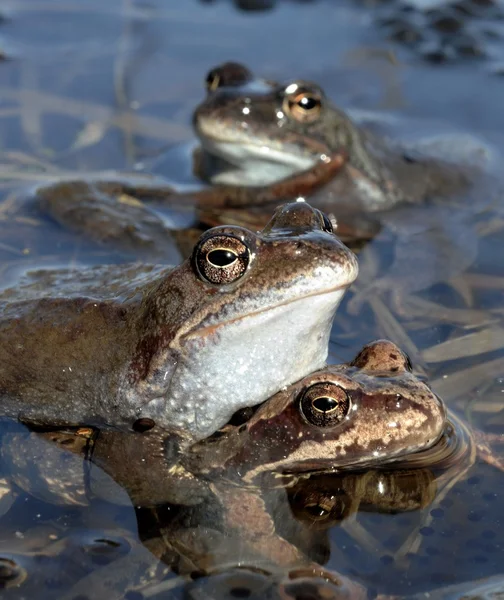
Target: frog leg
{"points": [[105, 212]]}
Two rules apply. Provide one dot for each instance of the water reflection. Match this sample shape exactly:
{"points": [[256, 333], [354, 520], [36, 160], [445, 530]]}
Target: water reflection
{"points": [[276, 531], [59, 114]]}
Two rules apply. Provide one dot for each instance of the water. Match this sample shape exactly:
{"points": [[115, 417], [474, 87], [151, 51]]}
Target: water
{"points": [[89, 86]]}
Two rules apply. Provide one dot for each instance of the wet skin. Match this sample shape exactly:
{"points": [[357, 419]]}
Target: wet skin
{"points": [[367, 413], [265, 131], [263, 143], [186, 346]]}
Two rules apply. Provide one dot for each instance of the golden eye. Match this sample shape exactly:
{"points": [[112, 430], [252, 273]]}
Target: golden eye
{"points": [[325, 404], [221, 259], [303, 105]]}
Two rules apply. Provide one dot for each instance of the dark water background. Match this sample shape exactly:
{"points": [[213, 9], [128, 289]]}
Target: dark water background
{"points": [[100, 85]]}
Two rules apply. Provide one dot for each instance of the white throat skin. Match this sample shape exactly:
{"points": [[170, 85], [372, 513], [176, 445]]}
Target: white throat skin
{"points": [[252, 357], [256, 165]]}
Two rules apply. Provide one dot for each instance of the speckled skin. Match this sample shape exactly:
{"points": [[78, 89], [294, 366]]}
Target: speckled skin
{"points": [[244, 122], [393, 414], [396, 415], [174, 347]]}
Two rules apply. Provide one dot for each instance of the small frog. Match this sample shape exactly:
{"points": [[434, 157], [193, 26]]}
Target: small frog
{"points": [[369, 411], [185, 346]]}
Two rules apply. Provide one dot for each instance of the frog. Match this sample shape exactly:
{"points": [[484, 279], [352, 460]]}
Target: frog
{"points": [[260, 132], [187, 346], [424, 197], [370, 411], [227, 492], [262, 143]]}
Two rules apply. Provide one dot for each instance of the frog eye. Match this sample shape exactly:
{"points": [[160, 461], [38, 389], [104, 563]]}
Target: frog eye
{"points": [[325, 404], [221, 259], [229, 74], [302, 104]]}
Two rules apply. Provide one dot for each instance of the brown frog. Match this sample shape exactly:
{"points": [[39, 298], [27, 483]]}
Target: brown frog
{"points": [[185, 346], [263, 142], [264, 131], [369, 412], [255, 132]]}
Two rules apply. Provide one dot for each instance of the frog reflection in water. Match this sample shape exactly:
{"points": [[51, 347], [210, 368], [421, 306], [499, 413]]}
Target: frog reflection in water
{"points": [[188, 346], [366, 413]]}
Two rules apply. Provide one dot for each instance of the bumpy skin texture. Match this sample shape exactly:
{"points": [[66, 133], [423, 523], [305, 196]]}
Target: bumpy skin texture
{"points": [[392, 414], [168, 344]]}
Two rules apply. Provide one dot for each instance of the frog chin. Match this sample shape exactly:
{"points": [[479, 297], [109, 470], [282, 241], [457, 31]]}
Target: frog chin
{"points": [[251, 358], [254, 164]]}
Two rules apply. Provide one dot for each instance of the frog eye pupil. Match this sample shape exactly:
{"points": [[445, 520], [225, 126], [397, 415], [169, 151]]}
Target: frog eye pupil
{"points": [[221, 258], [308, 102], [316, 511], [325, 404]]}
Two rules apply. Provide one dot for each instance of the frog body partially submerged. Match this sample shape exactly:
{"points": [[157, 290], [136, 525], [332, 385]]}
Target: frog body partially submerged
{"points": [[185, 346], [370, 411], [365, 413], [256, 132]]}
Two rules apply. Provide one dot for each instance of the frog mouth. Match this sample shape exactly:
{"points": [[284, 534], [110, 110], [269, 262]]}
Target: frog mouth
{"points": [[209, 330], [259, 160], [254, 164]]}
